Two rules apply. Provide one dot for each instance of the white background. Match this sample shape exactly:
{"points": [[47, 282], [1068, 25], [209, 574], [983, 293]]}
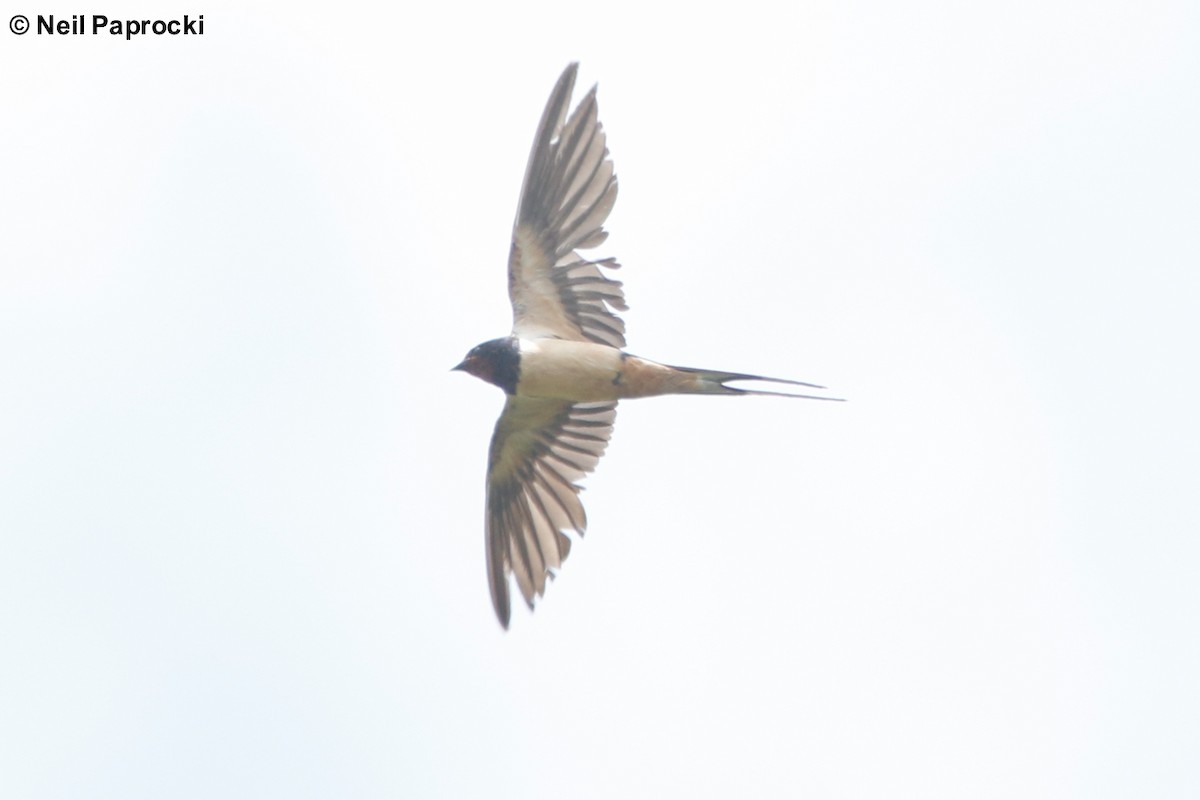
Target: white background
{"points": [[241, 547]]}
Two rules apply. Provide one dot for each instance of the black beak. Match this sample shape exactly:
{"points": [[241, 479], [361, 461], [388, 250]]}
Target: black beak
{"points": [[461, 366]]}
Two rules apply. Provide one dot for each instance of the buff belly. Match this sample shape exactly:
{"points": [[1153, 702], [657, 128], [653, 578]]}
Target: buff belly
{"points": [[588, 372], [580, 371]]}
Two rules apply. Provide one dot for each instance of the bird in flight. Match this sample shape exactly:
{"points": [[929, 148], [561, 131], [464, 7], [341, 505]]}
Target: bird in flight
{"points": [[563, 367]]}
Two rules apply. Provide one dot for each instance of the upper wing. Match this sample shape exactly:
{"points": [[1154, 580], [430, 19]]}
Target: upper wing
{"points": [[539, 450], [569, 190]]}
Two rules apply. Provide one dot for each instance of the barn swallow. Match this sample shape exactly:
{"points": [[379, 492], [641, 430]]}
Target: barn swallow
{"points": [[563, 367]]}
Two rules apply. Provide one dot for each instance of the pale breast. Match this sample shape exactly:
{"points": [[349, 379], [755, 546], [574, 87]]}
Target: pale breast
{"points": [[569, 370]]}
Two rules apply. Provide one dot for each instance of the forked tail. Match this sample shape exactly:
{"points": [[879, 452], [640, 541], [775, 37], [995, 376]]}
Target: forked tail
{"points": [[710, 381]]}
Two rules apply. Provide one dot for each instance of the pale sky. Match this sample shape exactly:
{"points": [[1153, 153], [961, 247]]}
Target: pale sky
{"points": [[241, 495]]}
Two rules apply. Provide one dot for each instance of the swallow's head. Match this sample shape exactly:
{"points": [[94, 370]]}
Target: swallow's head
{"points": [[497, 362]]}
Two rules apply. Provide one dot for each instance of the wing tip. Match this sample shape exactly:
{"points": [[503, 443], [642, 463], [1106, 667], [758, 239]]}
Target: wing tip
{"points": [[500, 602], [567, 79]]}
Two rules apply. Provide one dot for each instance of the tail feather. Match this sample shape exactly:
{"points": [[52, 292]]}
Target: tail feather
{"points": [[709, 381]]}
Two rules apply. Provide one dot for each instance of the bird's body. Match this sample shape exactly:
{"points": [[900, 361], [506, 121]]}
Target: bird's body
{"points": [[563, 368], [585, 372]]}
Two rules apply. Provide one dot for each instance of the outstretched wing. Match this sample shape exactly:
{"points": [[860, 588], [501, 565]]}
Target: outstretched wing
{"points": [[540, 448], [569, 191]]}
